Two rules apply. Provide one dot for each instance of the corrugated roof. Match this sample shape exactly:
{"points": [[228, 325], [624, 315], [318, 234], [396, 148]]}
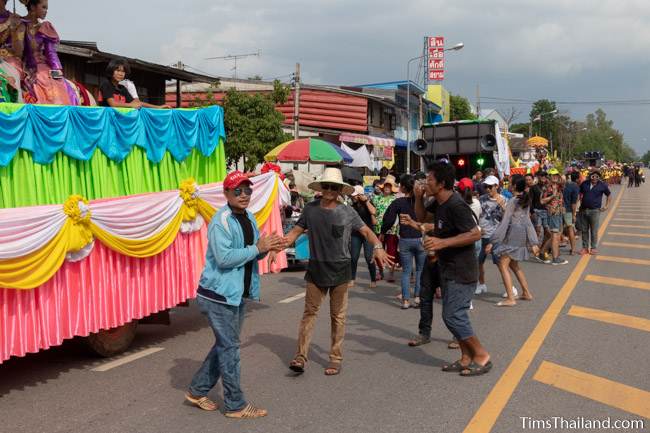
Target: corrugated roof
{"points": [[91, 50]]}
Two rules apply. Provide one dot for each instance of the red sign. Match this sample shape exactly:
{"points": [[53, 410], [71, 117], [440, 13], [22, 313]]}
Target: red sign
{"points": [[436, 42], [436, 58]]}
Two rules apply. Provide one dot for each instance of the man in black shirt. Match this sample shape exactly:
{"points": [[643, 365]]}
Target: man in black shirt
{"points": [[366, 211], [452, 239]]}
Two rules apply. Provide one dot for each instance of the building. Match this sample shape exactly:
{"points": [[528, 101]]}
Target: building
{"points": [[355, 116], [85, 63]]}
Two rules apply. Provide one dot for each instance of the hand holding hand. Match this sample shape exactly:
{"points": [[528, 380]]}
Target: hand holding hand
{"points": [[270, 242]]}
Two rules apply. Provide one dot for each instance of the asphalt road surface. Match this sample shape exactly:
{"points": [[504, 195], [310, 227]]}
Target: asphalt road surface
{"points": [[578, 352]]}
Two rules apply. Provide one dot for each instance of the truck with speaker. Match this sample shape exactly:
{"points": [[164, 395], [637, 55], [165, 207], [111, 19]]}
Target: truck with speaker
{"points": [[469, 144]]}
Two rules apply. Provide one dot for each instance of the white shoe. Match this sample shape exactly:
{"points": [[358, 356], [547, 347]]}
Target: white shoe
{"points": [[471, 305], [480, 288], [515, 292]]}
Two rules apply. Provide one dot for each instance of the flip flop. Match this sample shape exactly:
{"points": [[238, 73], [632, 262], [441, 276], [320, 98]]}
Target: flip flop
{"points": [[335, 367], [297, 365], [474, 369], [504, 304]]}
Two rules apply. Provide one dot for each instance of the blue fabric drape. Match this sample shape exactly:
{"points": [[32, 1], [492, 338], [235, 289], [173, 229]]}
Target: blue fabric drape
{"points": [[79, 131]]}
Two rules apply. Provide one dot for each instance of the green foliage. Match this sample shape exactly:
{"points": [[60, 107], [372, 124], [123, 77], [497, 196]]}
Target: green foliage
{"points": [[546, 126], [460, 108], [646, 158], [253, 125], [599, 134]]}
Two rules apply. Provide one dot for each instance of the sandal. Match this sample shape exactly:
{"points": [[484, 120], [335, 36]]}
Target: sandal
{"points": [[419, 341], [248, 412], [455, 367], [297, 365], [474, 369], [333, 368], [505, 304], [201, 402], [453, 345]]}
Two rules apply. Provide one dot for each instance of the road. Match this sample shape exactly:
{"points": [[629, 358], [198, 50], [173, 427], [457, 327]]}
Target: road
{"points": [[580, 349]]}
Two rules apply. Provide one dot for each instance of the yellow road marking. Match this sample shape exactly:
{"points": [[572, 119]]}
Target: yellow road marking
{"points": [[629, 226], [609, 317], [605, 391], [636, 235], [625, 245], [625, 260], [490, 410], [618, 282]]}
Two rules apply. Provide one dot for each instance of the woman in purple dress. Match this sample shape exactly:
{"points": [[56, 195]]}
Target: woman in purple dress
{"points": [[12, 36], [45, 82]]}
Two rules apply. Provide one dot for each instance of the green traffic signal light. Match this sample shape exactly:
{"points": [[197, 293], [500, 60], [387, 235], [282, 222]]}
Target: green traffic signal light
{"points": [[480, 161]]}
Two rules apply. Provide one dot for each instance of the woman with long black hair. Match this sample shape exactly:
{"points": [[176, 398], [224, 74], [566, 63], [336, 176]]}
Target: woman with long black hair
{"points": [[513, 237]]}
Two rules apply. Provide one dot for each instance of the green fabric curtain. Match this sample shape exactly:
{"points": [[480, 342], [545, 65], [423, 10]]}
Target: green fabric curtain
{"points": [[25, 183]]}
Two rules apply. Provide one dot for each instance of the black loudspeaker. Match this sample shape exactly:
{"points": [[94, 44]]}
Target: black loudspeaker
{"points": [[489, 143], [421, 147]]}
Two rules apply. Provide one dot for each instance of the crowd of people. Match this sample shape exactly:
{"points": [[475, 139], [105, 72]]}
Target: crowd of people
{"points": [[438, 230], [31, 71]]}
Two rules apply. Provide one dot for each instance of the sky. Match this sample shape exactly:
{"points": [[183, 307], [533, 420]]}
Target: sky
{"points": [[564, 50]]}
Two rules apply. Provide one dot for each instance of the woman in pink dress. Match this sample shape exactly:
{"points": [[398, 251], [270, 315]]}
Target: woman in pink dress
{"points": [[45, 82], [12, 37]]}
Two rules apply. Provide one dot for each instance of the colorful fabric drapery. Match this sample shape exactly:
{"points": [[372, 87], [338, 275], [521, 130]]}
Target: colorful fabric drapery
{"points": [[35, 241], [79, 131]]}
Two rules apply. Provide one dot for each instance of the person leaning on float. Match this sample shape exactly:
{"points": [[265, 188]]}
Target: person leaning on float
{"points": [[113, 94]]}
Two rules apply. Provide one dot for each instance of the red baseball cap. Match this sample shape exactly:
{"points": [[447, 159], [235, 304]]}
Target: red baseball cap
{"points": [[465, 183], [234, 179]]}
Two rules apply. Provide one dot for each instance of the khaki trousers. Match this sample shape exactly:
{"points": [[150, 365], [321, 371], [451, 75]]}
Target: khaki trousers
{"points": [[338, 310]]}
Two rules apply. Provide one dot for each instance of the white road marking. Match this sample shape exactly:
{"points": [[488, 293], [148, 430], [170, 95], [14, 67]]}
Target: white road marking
{"points": [[291, 299], [127, 359]]}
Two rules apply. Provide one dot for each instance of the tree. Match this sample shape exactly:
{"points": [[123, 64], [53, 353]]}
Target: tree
{"points": [[546, 124], [460, 108], [646, 158], [253, 125], [510, 115]]}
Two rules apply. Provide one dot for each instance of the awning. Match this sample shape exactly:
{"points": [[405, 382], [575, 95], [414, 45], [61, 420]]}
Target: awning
{"points": [[382, 147], [347, 137]]}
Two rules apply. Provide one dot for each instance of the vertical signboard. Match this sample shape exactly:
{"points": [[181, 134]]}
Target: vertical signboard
{"points": [[435, 49]]}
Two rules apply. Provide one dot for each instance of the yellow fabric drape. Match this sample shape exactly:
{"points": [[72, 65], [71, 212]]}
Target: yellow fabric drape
{"points": [[35, 269]]}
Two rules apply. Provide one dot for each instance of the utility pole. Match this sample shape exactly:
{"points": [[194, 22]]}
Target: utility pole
{"points": [[478, 100], [296, 103], [179, 98]]}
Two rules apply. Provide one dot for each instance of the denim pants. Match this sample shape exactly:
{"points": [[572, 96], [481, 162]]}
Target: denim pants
{"points": [[456, 299], [430, 282], [223, 359], [410, 249], [355, 251], [590, 225]]}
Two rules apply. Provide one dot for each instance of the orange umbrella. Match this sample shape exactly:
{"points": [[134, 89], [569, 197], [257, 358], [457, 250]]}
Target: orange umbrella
{"points": [[537, 141]]}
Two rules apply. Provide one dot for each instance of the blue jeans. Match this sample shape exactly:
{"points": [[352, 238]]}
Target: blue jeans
{"points": [[456, 298], [223, 359], [355, 251], [408, 250]]}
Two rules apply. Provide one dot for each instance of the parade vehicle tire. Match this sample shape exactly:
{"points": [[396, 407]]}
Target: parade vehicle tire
{"points": [[110, 342]]}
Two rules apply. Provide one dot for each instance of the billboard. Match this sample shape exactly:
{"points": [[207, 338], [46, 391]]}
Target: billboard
{"points": [[439, 96], [435, 52]]}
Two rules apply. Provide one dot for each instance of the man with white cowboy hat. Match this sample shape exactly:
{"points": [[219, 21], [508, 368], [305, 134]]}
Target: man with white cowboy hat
{"points": [[329, 225]]}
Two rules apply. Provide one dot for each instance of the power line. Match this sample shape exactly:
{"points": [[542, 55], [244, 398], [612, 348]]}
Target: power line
{"points": [[619, 102]]}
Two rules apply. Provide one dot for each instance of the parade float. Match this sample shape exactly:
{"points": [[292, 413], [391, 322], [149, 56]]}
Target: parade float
{"points": [[103, 216]]}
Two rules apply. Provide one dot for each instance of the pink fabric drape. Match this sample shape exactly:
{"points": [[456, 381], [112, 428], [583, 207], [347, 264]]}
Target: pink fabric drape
{"points": [[107, 290]]}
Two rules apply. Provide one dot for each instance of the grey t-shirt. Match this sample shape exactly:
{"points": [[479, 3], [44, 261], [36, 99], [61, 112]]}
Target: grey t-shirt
{"points": [[329, 232]]}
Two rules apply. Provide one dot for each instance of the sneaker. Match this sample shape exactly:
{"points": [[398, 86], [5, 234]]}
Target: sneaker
{"points": [[515, 292], [471, 305], [559, 261], [538, 259], [406, 305], [416, 302], [480, 288]]}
